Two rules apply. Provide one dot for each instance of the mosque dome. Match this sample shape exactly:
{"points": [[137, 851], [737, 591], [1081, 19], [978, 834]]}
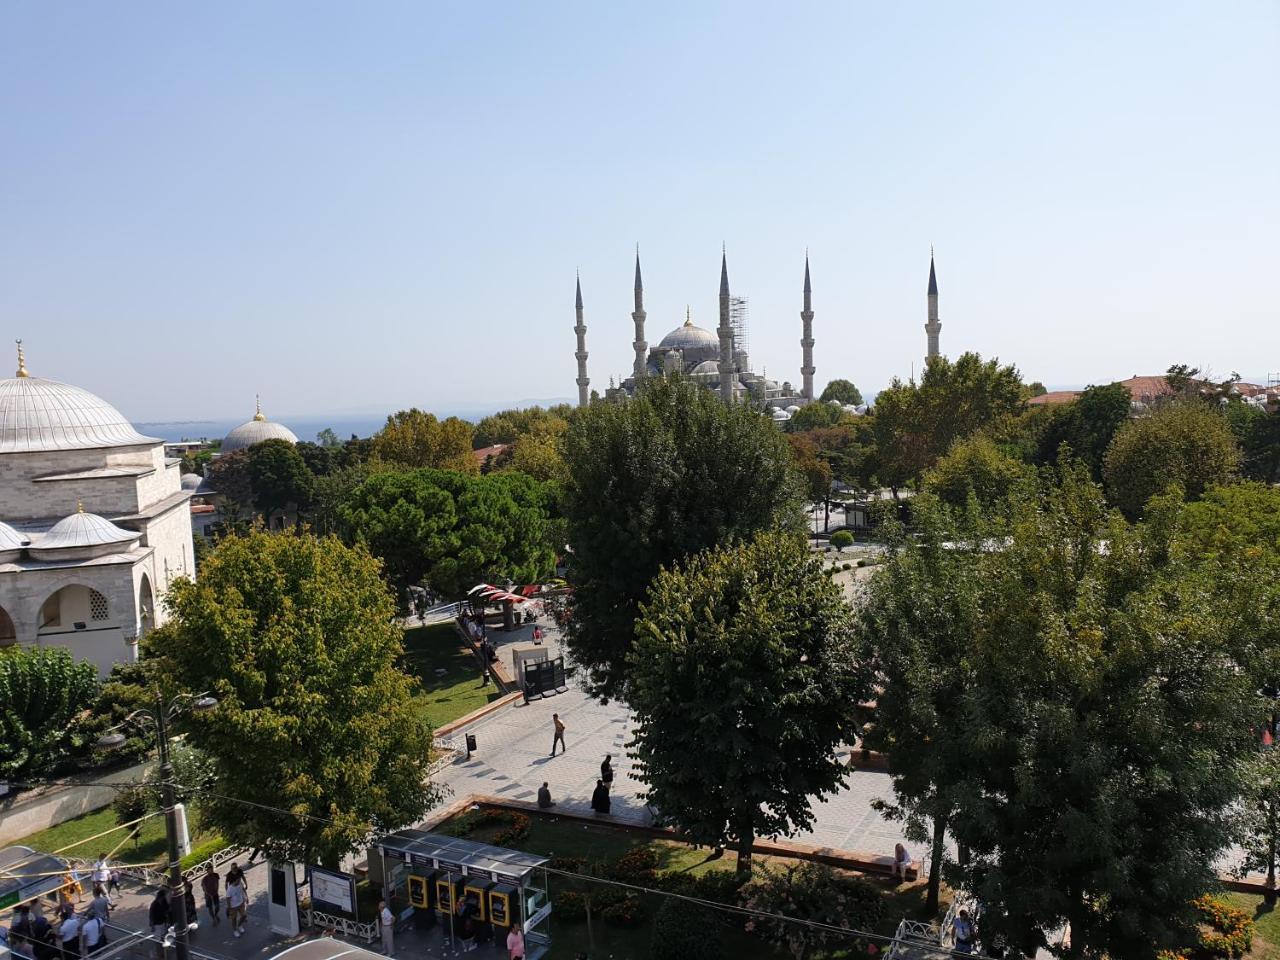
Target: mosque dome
{"points": [[687, 337], [81, 531], [256, 431], [191, 481], [706, 368], [780, 415], [37, 415], [10, 539]]}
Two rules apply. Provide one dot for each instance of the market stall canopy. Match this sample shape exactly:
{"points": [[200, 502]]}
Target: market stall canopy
{"points": [[26, 875]]}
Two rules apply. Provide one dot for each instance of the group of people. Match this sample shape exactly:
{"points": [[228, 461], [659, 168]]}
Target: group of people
{"points": [[600, 799], [237, 894], [70, 933]]}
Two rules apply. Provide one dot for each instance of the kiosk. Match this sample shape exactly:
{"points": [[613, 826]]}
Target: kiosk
{"points": [[508, 886]]}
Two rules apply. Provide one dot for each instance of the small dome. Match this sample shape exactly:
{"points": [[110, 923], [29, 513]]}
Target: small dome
{"points": [[793, 409], [10, 539], [191, 481], [38, 415], [83, 530], [780, 416], [256, 431], [706, 368]]}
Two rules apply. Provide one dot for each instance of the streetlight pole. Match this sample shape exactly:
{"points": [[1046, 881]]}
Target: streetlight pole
{"points": [[159, 718]]}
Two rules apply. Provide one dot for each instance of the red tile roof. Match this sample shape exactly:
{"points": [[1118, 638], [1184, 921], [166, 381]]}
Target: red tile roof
{"points": [[484, 453], [1054, 397]]}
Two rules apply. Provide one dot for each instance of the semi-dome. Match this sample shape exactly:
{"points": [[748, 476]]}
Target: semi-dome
{"points": [[191, 481], [83, 530], [255, 431], [706, 367], [38, 415]]}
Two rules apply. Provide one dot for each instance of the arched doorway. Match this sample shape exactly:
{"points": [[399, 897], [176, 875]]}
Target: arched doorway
{"points": [[146, 607], [8, 634], [73, 607]]}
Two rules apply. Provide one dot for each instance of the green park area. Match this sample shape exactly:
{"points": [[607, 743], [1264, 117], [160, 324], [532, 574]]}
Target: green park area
{"points": [[448, 673], [142, 843], [627, 925]]}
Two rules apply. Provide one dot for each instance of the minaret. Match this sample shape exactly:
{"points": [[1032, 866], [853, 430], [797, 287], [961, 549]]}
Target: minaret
{"points": [[641, 348], [934, 326], [581, 331], [725, 331], [806, 341]]}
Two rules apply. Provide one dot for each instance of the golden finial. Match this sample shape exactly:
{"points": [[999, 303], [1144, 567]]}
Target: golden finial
{"points": [[79, 505], [257, 398], [688, 316], [22, 361]]}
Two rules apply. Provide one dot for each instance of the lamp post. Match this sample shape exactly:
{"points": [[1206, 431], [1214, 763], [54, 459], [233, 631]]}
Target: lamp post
{"points": [[159, 717]]}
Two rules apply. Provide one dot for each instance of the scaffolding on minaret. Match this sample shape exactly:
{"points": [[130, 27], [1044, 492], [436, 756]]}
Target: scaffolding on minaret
{"points": [[739, 318]]}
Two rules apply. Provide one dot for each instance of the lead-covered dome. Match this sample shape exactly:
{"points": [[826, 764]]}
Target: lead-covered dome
{"points": [[687, 337], [80, 534], [38, 415], [256, 431]]}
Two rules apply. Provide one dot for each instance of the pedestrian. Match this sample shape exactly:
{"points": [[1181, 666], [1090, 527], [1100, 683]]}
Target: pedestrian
{"points": [[466, 910], [515, 943], [559, 737], [212, 902], [606, 771], [100, 905], [189, 902], [387, 924], [237, 900], [484, 676], [600, 798], [91, 938], [537, 634], [962, 927], [158, 918], [102, 873], [69, 937], [544, 797], [65, 907], [113, 882], [901, 861]]}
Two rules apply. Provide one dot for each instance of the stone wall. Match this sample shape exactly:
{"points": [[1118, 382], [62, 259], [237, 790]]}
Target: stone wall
{"points": [[30, 812]]}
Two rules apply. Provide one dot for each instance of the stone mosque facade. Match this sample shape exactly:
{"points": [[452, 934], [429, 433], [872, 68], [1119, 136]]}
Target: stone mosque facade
{"points": [[713, 359], [94, 522]]}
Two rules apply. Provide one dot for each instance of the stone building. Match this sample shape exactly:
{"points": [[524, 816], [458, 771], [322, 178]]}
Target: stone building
{"points": [[94, 524]]}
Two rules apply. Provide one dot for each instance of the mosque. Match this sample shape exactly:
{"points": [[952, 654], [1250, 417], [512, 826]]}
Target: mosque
{"points": [[716, 359], [94, 522]]}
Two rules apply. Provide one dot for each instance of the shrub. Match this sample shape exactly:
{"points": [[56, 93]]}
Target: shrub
{"points": [[720, 886], [841, 539], [810, 891], [567, 864], [132, 803], [636, 866], [1230, 932], [685, 931], [202, 853], [570, 906], [626, 912]]}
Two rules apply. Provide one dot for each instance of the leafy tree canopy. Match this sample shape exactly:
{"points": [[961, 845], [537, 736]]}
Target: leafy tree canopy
{"points": [[412, 438], [278, 477], [508, 426], [744, 659], [975, 467], [229, 477], [816, 471], [452, 529], [814, 415], [43, 691], [656, 478], [842, 390], [1257, 431], [1188, 444], [1086, 425], [295, 637]]}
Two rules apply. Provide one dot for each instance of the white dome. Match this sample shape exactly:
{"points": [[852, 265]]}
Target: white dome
{"points": [[256, 431], [10, 539], [191, 481], [687, 336], [794, 408], [83, 530], [705, 368], [780, 415], [38, 415]]}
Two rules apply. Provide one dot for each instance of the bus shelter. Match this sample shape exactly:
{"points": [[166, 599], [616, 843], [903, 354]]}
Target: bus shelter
{"points": [[433, 875], [26, 875]]}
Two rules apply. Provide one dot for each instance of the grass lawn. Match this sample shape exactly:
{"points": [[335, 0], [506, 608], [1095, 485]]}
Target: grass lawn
{"points": [[570, 838], [1266, 937], [450, 675], [148, 847]]}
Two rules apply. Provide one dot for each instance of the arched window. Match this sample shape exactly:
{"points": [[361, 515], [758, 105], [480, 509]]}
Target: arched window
{"points": [[146, 606], [8, 634]]}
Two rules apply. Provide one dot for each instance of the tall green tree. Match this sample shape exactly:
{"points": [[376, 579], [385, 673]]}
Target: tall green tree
{"points": [[412, 438], [279, 478], [743, 681], [1087, 425], [813, 416], [1104, 729], [1257, 432], [453, 529], [316, 741], [654, 479], [1187, 444], [43, 693], [841, 390], [975, 467], [228, 475], [916, 624]]}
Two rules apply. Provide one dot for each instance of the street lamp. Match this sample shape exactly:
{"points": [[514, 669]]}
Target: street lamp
{"points": [[160, 717]]}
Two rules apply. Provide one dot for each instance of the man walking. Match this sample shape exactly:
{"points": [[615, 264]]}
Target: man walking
{"points": [[158, 919], [387, 921], [209, 884], [559, 737], [102, 874]]}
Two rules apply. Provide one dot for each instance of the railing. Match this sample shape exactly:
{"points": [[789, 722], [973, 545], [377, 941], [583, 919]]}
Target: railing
{"points": [[348, 928], [160, 878]]}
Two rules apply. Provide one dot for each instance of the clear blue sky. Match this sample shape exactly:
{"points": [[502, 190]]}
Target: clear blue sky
{"points": [[365, 206]]}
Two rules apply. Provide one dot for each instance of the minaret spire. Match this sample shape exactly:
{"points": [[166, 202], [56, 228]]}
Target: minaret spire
{"points": [[639, 345], [581, 330], [933, 326], [725, 332], [806, 340]]}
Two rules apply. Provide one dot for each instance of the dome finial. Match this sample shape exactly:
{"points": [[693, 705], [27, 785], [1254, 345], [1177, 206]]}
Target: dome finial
{"points": [[22, 361], [257, 400], [688, 316], [79, 505]]}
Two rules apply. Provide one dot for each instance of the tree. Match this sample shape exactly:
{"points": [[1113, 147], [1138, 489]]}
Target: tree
{"points": [[1036, 389], [814, 415], [816, 471], [43, 693], [1258, 434], [842, 391], [916, 624], [327, 438], [1259, 821], [743, 659], [1188, 444], [508, 426], [1087, 425], [841, 539], [316, 740], [656, 478], [321, 459], [849, 448], [1105, 719], [229, 477], [976, 468], [412, 438], [816, 899], [452, 529], [537, 453], [279, 478]]}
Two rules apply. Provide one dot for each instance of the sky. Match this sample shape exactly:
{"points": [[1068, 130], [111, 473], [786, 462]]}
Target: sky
{"points": [[354, 208]]}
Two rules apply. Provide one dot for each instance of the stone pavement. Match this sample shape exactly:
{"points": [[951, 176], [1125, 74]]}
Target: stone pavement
{"points": [[513, 759]]}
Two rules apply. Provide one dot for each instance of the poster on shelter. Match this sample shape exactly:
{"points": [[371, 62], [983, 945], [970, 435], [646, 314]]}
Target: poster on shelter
{"points": [[333, 891]]}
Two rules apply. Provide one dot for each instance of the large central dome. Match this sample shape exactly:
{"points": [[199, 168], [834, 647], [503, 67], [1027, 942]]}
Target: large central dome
{"points": [[687, 336], [255, 431], [38, 415]]}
